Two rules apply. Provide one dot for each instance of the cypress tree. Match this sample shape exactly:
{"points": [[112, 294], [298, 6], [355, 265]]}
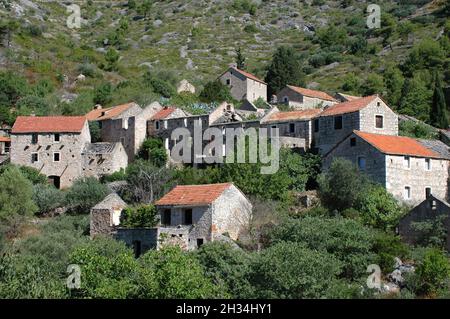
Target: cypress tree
{"points": [[240, 59], [438, 115]]}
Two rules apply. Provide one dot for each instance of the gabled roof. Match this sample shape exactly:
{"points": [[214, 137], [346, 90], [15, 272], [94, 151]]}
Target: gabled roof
{"points": [[191, 195], [349, 106], [163, 113], [348, 97], [112, 201], [397, 145], [108, 113], [5, 139], [294, 115], [246, 74], [49, 124], [312, 93]]}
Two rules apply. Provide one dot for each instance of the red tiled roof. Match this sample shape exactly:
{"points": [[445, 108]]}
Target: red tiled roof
{"points": [[193, 194], [397, 145], [108, 113], [5, 139], [49, 124], [294, 115], [163, 113], [248, 75], [312, 93], [349, 106]]}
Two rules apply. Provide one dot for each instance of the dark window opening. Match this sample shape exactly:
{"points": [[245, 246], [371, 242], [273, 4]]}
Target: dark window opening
{"points": [[228, 81], [34, 139], [56, 157], [188, 217], [55, 181], [157, 125], [338, 122], [137, 248], [353, 141], [427, 192], [57, 137], [199, 242], [379, 121], [291, 128], [166, 218], [34, 158], [316, 125]]}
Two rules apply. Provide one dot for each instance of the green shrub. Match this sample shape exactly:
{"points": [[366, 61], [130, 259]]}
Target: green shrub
{"points": [[417, 130], [47, 198], [84, 194], [142, 216], [433, 272]]}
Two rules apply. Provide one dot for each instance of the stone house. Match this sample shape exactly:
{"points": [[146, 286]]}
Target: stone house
{"points": [[342, 97], [368, 114], [105, 216], [301, 98], [126, 123], [405, 167], [244, 85], [5, 144], [201, 213], [159, 121], [100, 159], [428, 210], [295, 127], [51, 144]]}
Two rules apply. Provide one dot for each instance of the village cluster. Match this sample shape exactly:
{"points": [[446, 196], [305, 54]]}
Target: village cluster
{"points": [[363, 130]]}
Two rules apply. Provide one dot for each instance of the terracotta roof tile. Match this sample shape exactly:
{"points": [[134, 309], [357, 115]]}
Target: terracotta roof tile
{"points": [[249, 75], [49, 124], [108, 113], [349, 106], [294, 115], [397, 145], [312, 93], [193, 194], [163, 113], [5, 139]]}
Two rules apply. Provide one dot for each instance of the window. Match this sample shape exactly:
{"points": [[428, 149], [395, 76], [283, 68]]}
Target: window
{"points": [[427, 192], [56, 157], [291, 127], [34, 138], [378, 103], [166, 217], [316, 125], [137, 248], [353, 141], [428, 164], [165, 123], [56, 138], [407, 162], [285, 99], [199, 242], [228, 81], [362, 163], [157, 125], [407, 193], [378, 121], [188, 217], [338, 122], [34, 157]]}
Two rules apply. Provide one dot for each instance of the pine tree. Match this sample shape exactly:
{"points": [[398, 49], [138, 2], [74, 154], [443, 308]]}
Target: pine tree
{"points": [[240, 59], [438, 114]]}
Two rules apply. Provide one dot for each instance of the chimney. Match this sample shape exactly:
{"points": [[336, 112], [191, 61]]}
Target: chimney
{"points": [[233, 65], [97, 107]]}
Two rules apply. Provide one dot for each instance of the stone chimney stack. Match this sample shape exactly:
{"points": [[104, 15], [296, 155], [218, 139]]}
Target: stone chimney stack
{"points": [[97, 107]]}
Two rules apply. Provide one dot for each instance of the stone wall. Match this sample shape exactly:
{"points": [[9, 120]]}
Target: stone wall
{"points": [[98, 164], [367, 118], [101, 222], [299, 101], [69, 147], [256, 90], [244, 88], [144, 238]]}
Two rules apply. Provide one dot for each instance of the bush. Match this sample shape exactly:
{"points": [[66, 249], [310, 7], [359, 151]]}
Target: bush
{"points": [[417, 130], [387, 247], [153, 150], [139, 217], [433, 272], [215, 91], [84, 194], [47, 198]]}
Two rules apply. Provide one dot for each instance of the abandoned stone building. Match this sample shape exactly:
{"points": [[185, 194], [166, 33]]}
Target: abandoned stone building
{"points": [[295, 127], [342, 97], [197, 214], [244, 85], [5, 144], [126, 123], [159, 121], [405, 167], [367, 114], [105, 216], [301, 98], [431, 209], [59, 147]]}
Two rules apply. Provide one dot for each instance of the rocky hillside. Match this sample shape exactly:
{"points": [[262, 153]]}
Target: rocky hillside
{"points": [[197, 39]]}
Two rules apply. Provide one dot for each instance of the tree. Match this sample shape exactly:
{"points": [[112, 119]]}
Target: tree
{"points": [[47, 198], [285, 68], [139, 217], [426, 55], [433, 272], [373, 85], [431, 232], [393, 81], [153, 150], [289, 270], [438, 114], [112, 59], [102, 94], [16, 195], [84, 194], [416, 98], [94, 130], [215, 91], [240, 59]]}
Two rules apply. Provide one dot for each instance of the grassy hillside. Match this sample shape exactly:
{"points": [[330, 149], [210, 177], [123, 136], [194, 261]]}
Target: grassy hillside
{"points": [[196, 40]]}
